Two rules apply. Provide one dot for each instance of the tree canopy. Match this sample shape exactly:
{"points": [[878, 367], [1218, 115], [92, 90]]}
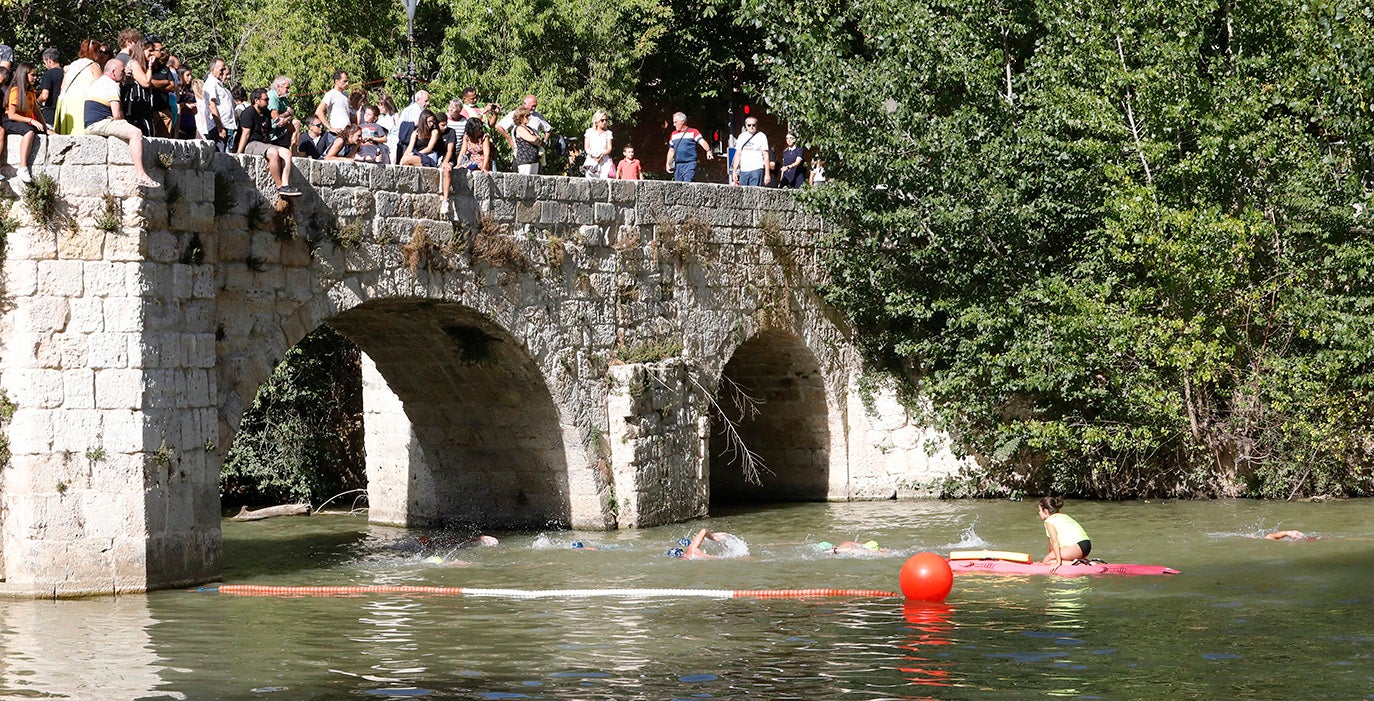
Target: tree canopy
{"points": [[1123, 249]]}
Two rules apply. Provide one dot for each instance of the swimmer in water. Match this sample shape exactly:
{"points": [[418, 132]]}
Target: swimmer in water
{"points": [[1288, 535], [481, 541], [691, 549]]}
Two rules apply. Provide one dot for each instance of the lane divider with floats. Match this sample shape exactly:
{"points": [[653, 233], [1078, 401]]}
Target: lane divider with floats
{"points": [[365, 589]]}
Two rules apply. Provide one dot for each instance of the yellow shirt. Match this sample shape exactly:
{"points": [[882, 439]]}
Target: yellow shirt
{"points": [[1070, 533]]}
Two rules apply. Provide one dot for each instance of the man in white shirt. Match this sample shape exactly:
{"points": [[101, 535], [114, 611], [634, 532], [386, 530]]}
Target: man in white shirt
{"points": [[537, 122], [406, 120], [221, 124], [103, 117], [333, 108], [751, 156]]}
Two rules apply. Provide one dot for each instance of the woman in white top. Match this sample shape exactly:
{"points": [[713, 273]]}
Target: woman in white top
{"points": [[597, 145], [817, 177]]}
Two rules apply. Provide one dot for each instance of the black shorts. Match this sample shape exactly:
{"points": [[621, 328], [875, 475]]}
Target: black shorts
{"points": [[1086, 546], [18, 128]]}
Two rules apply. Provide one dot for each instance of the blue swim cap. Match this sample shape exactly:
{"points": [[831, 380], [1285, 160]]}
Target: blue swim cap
{"points": [[684, 542], [675, 552], [577, 545]]}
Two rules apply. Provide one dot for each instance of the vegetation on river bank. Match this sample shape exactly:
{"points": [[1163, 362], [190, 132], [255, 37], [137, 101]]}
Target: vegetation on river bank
{"points": [[1125, 250]]}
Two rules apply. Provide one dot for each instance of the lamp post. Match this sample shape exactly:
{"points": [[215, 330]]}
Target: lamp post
{"points": [[408, 75]]}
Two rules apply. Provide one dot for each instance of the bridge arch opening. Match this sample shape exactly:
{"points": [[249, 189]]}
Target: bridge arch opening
{"points": [[773, 393], [461, 429]]}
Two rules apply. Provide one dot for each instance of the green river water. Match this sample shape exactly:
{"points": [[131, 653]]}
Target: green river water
{"points": [[1246, 619]]}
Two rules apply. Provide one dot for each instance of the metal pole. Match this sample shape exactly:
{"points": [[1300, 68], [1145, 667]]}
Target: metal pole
{"points": [[409, 76]]}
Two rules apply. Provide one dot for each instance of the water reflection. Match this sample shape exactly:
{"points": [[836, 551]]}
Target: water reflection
{"points": [[79, 649], [924, 661]]}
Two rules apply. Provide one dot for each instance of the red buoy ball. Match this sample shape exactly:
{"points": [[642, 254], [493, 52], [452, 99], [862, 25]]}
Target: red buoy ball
{"points": [[926, 577]]}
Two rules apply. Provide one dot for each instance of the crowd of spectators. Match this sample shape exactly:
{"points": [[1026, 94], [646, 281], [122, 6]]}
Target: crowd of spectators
{"points": [[144, 91]]}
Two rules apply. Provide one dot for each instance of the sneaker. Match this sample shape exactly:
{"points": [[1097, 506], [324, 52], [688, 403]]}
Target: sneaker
{"points": [[24, 176], [288, 191], [443, 208]]}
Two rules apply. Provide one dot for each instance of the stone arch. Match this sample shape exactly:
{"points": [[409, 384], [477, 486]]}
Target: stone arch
{"points": [[790, 431], [472, 433]]}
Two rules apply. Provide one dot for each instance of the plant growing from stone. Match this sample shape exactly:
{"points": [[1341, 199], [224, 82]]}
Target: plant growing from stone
{"points": [[195, 251], [41, 199], [7, 227], [349, 234], [110, 219]]}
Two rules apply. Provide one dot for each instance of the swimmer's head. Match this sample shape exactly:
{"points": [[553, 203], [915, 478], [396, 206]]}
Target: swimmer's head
{"points": [[825, 545], [684, 542], [675, 552], [871, 545], [577, 545], [487, 541]]}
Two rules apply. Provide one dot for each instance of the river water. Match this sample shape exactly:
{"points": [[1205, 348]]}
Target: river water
{"points": [[1246, 619]]}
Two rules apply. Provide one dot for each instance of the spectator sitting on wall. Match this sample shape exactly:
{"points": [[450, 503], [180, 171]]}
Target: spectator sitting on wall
{"points": [[424, 146], [347, 146], [286, 129], [313, 144], [22, 117], [103, 117], [475, 151], [373, 137], [256, 139]]}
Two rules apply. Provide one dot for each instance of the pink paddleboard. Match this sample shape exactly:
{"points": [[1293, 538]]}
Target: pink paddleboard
{"points": [[1065, 570]]}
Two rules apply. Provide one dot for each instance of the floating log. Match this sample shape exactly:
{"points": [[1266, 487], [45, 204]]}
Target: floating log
{"points": [[268, 512]]}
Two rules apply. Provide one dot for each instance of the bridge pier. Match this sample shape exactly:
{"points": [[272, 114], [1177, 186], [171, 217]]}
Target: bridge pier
{"points": [[559, 354]]}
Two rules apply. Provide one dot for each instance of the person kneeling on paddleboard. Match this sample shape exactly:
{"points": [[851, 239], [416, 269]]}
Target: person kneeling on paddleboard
{"points": [[1068, 540]]}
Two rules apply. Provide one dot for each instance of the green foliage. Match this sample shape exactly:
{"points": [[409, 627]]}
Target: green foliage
{"points": [[576, 55], [41, 199], [111, 216], [302, 439], [1124, 249], [7, 227], [7, 409], [650, 351]]}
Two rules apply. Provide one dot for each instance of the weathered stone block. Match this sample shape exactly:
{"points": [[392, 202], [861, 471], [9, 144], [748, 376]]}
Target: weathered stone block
{"points": [[76, 150], [20, 277], [42, 314], [87, 315]]}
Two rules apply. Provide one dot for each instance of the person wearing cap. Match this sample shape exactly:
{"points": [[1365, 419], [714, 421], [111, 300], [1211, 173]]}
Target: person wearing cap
{"points": [[691, 549]]}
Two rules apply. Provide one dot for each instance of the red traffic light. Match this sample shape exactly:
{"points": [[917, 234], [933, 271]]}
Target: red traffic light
{"points": [[746, 110]]}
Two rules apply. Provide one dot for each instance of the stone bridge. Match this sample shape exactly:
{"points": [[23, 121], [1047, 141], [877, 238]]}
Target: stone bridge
{"points": [[555, 352]]}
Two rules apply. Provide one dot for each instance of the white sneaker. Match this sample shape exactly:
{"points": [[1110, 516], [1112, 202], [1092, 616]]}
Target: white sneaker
{"points": [[443, 208], [24, 176]]}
